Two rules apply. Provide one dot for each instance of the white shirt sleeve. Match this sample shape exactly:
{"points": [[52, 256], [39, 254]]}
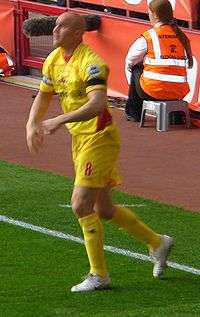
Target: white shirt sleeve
{"points": [[136, 53], [10, 62]]}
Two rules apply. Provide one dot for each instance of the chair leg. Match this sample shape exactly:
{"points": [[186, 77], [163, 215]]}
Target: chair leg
{"points": [[162, 118], [142, 117], [187, 119]]}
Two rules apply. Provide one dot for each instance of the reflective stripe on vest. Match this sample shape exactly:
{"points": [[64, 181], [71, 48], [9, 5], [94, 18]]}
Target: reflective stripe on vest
{"points": [[156, 44], [9, 60], [163, 77], [165, 62]]}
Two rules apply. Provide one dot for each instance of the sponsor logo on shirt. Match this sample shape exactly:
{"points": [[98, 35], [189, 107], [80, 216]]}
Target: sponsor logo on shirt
{"points": [[62, 81], [94, 70], [46, 80]]}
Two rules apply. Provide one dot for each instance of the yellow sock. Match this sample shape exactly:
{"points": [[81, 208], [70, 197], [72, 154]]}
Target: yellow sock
{"points": [[127, 220], [93, 236]]}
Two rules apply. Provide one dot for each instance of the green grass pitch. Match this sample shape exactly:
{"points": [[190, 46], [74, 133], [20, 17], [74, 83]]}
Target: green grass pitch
{"points": [[38, 270]]}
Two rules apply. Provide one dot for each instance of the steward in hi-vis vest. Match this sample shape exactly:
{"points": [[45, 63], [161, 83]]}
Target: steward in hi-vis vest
{"points": [[6, 63], [164, 75]]}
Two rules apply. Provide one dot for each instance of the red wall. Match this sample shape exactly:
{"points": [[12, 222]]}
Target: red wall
{"points": [[7, 26]]}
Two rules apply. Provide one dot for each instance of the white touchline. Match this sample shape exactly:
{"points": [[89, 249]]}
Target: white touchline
{"points": [[109, 248], [124, 205]]}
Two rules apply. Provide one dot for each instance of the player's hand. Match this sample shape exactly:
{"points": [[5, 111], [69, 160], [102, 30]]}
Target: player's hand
{"points": [[34, 137], [51, 125]]}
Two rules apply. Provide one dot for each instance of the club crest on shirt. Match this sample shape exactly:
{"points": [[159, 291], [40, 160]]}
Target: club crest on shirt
{"points": [[46, 80], [94, 70]]}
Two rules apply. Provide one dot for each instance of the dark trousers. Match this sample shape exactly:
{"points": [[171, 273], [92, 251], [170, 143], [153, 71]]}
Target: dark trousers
{"points": [[136, 94]]}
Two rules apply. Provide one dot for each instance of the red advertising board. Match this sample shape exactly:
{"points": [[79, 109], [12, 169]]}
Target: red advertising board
{"points": [[7, 26], [183, 9]]}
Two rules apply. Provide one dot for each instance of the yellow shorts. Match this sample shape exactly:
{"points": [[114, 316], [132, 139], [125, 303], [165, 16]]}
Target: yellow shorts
{"points": [[95, 158]]}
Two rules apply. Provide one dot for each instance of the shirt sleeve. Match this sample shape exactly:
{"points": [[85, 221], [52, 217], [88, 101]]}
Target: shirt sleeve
{"points": [[95, 76], [46, 84], [136, 53]]}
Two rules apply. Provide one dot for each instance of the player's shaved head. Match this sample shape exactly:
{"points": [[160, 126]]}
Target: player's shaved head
{"points": [[74, 20], [69, 30]]}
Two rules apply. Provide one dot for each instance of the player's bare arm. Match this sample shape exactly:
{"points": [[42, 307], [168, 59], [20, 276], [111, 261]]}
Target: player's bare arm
{"points": [[34, 133], [96, 104]]}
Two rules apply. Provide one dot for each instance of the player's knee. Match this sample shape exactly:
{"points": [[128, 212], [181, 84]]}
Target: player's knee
{"points": [[77, 205], [81, 206]]}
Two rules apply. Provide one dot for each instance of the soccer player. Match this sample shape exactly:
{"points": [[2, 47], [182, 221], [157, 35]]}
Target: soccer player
{"points": [[79, 76]]}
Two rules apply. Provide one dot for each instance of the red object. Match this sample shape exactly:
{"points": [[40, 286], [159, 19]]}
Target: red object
{"points": [[7, 33], [195, 106], [195, 113], [6, 63]]}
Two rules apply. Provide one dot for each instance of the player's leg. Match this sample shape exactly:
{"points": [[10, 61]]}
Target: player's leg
{"points": [[83, 200], [126, 219], [159, 245]]}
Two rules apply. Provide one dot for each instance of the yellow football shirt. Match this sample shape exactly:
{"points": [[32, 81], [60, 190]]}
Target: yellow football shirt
{"points": [[72, 80]]}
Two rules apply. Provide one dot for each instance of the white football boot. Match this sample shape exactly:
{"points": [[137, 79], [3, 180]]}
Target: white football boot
{"points": [[160, 255], [92, 283]]}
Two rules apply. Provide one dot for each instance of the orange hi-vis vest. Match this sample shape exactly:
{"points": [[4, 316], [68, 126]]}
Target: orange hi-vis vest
{"points": [[6, 64], [165, 65]]}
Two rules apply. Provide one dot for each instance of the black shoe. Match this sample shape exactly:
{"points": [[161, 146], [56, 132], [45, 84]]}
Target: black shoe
{"points": [[132, 118]]}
